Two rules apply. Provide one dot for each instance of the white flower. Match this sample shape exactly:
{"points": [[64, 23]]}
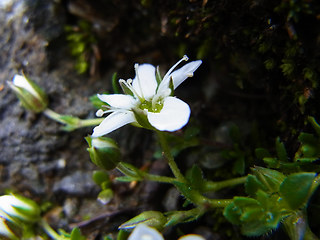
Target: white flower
{"points": [[5, 231], [191, 237], [148, 100], [143, 232], [19, 207]]}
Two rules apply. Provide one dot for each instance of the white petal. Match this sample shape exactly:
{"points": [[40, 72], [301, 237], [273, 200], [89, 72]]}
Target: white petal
{"points": [[173, 116], [118, 100], [143, 232], [148, 83], [112, 122], [22, 82], [179, 75], [183, 73], [191, 237]]}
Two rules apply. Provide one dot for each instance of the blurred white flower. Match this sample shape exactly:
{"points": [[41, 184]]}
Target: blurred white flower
{"points": [[18, 207], [148, 100], [191, 237], [143, 232], [29, 93], [5, 231]]}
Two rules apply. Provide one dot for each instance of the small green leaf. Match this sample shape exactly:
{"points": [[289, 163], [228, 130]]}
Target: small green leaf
{"points": [[281, 150], [252, 185], [100, 177], [272, 162], [76, 235], [195, 177], [239, 166], [315, 125], [262, 153], [105, 196], [295, 189], [271, 179]]}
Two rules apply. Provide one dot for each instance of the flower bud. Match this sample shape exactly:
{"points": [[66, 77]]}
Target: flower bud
{"points": [[20, 208], [30, 94], [150, 218], [8, 229], [104, 152]]}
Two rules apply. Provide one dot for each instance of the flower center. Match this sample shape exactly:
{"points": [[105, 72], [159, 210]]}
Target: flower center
{"points": [[151, 106]]}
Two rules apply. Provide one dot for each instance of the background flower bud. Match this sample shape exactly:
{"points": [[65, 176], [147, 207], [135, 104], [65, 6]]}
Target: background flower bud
{"points": [[150, 218], [20, 208], [104, 152], [30, 94], [6, 229]]}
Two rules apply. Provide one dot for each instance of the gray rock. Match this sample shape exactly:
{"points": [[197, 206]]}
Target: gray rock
{"points": [[79, 183]]}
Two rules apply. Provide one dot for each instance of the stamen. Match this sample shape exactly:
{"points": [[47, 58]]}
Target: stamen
{"points": [[184, 58], [190, 74], [99, 113], [129, 86], [136, 66]]}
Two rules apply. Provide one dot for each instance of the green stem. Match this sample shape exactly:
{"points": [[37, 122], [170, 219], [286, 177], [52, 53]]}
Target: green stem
{"points": [[157, 178], [54, 116], [211, 186], [215, 203], [74, 122], [48, 229], [141, 175], [167, 153]]}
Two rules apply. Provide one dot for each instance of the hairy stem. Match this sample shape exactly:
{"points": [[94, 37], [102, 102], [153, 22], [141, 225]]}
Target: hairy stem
{"points": [[167, 154], [72, 122], [211, 186]]}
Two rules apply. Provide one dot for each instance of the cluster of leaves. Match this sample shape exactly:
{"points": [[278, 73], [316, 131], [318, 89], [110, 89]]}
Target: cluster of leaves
{"points": [[82, 45], [276, 196]]}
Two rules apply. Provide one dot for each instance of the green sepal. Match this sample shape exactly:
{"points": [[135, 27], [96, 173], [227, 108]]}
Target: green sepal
{"points": [[171, 86], [295, 189], [105, 156], [115, 84], [158, 76], [125, 89], [154, 219], [36, 103], [142, 119]]}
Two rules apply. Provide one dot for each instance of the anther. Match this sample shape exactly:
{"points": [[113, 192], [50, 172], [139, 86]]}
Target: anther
{"points": [[99, 113]]}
